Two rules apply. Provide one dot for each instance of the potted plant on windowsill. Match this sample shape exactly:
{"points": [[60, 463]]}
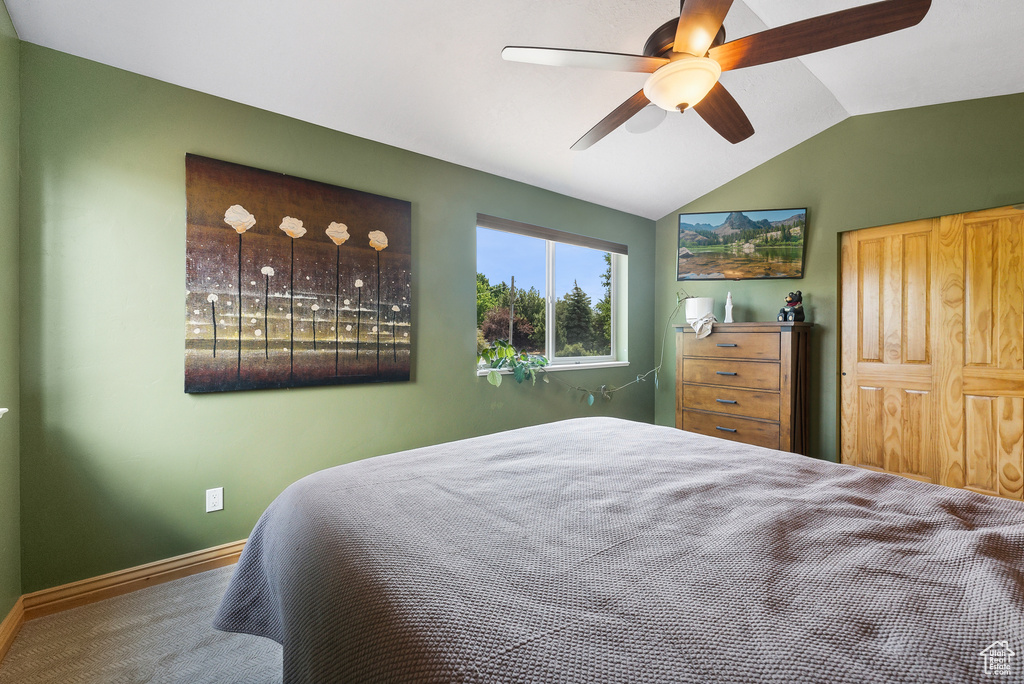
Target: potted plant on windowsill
{"points": [[501, 355]]}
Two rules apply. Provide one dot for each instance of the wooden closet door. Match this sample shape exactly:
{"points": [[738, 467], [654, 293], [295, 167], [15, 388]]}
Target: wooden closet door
{"points": [[932, 352], [888, 394], [993, 349]]}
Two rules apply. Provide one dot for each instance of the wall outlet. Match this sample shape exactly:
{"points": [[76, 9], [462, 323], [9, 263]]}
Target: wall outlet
{"points": [[214, 499]]}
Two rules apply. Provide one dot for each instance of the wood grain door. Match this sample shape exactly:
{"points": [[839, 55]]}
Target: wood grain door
{"points": [[888, 394], [933, 350], [993, 349]]}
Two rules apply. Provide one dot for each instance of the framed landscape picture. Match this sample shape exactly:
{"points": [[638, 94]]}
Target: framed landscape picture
{"points": [[741, 245]]}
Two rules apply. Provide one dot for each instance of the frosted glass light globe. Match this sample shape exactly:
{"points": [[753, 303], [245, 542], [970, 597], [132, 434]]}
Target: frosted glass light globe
{"points": [[683, 83]]}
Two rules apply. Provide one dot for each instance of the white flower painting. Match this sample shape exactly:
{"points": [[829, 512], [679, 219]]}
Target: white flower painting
{"points": [[238, 218], [292, 227], [292, 282], [338, 232]]}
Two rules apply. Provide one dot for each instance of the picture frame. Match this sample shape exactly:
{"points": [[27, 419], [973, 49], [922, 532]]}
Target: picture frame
{"points": [[292, 282], [741, 245]]}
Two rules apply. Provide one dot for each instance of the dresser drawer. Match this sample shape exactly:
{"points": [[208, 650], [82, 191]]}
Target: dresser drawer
{"points": [[738, 402], [750, 374], [760, 346], [730, 427]]}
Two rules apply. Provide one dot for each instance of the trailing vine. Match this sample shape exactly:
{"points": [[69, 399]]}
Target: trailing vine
{"points": [[501, 355]]}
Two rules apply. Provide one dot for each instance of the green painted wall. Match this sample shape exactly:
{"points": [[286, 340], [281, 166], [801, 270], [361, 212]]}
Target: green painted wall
{"points": [[866, 171], [115, 457], [10, 540]]}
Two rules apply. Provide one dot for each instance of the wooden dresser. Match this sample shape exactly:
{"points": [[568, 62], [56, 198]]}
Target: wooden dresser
{"points": [[745, 382]]}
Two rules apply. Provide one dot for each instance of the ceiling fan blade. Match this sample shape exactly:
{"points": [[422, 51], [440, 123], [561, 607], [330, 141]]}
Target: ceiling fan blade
{"points": [[647, 119], [820, 33], [620, 115], [699, 22], [721, 111], [612, 61]]}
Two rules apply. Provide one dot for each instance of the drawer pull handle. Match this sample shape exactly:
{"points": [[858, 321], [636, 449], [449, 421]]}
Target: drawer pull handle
{"points": [[726, 401], [719, 427], [724, 373], [721, 344]]}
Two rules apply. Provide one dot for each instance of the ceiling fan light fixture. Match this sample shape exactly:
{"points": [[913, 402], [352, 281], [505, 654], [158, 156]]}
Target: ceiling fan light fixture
{"points": [[682, 83]]}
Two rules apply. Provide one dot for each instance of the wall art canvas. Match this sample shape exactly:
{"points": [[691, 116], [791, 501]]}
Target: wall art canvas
{"points": [[291, 282], [738, 245]]}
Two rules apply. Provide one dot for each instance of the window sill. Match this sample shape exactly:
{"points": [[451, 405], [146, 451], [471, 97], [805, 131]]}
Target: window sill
{"points": [[564, 366]]}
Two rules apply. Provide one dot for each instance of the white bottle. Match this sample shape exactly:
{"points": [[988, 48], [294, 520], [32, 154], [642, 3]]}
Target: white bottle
{"points": [[728, 308]]}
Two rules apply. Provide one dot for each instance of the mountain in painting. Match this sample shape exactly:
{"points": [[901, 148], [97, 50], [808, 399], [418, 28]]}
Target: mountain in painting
{"points": [[736, 222], [739, 227]]}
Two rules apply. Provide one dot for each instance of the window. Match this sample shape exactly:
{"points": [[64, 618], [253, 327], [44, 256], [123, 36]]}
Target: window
{"points": [[567, 292]]}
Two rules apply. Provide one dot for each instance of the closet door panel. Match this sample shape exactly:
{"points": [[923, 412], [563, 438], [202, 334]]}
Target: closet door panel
{"points": [[891, 299], [916, 302], [981, 436], [869, 284], [980, 295], [947, 293], [916, 457], [1011, 447], [994, 332], [993, 372], [886, 350], [871, 437], [1009, 319], [933, 378]]}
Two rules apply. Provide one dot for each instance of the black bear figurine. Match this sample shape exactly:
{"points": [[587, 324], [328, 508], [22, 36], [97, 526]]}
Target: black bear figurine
{"points": [[794, 309]]}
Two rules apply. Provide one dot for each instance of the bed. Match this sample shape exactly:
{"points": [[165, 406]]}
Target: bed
{"points": [[602, 550]]}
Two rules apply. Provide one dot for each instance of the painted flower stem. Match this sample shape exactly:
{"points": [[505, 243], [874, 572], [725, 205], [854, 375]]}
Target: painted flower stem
{"points": [[337, 293], [292, 227], [378, 312], [359, 318], [338, 233], [213, 311], [267, 271], [266, 328], [240, 220], [378, 240], [291, 314], [238, 370], [314, 309]]}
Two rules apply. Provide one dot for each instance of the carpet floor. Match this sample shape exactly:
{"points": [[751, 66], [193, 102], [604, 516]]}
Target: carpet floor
{"points": [[158, 634]]}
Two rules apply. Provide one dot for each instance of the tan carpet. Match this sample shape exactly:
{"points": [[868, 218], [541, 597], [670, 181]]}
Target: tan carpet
{"points": [[159, 634]]}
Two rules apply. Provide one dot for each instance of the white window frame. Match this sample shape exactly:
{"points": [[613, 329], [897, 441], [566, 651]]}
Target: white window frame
{"points": [[619, 291]]}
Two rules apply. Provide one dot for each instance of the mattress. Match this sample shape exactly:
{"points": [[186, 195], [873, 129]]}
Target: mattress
{"points": [[603, 550]]}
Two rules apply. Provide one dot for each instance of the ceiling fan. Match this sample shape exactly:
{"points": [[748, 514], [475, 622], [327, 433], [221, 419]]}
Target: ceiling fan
{"points": [[686, 56]]}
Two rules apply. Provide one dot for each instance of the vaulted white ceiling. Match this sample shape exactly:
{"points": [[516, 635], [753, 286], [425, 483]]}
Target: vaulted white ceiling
{"points": [[429, 77]]}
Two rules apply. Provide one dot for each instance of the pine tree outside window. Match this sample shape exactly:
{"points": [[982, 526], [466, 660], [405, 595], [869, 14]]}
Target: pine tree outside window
{"points": [[567, 293]]}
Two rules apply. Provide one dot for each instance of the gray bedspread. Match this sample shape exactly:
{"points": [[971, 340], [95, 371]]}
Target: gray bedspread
{"points": [[600, 550]]}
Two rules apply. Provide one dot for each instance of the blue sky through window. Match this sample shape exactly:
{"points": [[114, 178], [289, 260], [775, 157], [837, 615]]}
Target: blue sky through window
{"points": [[500, 255]]}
